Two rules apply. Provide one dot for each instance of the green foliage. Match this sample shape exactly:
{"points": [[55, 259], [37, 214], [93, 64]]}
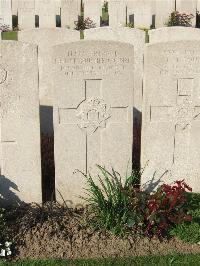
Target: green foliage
{"points": [[122, 207], [105, 6], [109, 204], [83, 24], [178, 19], [190, 231]]}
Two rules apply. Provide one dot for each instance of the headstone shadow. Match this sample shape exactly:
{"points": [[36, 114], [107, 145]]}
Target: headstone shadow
{"points": [[7, 193]]}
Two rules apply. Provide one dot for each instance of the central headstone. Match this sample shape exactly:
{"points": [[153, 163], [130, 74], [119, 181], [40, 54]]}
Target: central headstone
{"points": [[171, 114], [93, 111]]}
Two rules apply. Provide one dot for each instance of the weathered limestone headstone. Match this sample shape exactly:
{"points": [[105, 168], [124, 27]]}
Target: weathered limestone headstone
{"points": [[45, 39], [93, 111], [92, 10], [141, 11], [57, 7], [6, 13], [26, 14], [188, 7], [132, 36], [70, 10], [178, 33], [117, 13], [15, 4], [164, 8], [46, 11], [20, 178], [171, 114]]}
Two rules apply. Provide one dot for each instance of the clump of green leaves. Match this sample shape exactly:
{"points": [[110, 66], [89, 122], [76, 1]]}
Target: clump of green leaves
{"points": [[109, 202], [190, 231], [121, 207], [179, 19], [83, 24]]}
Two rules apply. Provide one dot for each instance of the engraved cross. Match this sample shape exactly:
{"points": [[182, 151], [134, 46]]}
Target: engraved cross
{"points": [[182, 114]]}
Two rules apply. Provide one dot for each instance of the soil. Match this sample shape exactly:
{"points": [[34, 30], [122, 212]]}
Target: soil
{"points": [[57, 232]]}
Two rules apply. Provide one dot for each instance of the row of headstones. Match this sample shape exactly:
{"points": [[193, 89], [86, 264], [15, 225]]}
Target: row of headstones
{"points": [[143, 13], [93, 87]]}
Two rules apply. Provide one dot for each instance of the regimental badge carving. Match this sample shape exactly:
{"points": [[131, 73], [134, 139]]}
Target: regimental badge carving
{"points": [[93, 114], [3, 75]]}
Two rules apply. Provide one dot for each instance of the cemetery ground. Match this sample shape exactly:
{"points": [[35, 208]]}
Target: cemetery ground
{"points": [[102, 233]]}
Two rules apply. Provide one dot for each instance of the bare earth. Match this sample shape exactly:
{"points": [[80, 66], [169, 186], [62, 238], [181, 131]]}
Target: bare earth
{"points": [[61, 233]]}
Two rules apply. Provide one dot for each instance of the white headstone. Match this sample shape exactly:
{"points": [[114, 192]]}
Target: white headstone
{"points": [[188, 7], [171, 114], [46, 39], [6, 13], [46, 11], [141, 11], [117, 13], [164, 8], [70, 10], [93, 10], [93, 111], [127, 35], [177, 33], [15, 4], [58, 7], [20, 131], [26, 14]]}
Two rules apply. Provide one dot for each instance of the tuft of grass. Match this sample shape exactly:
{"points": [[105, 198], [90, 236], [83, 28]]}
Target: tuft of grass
{"points": [[109, 200]]}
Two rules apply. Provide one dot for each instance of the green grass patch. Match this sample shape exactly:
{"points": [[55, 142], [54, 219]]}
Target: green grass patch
{"points": [[10, 35], [147, 260]]}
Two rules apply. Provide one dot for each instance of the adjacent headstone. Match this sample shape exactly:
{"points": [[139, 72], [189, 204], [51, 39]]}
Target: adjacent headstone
{"points": [[188, 7], [178, 33], [117, 13], [58, 7], [140, 13], [171, 114], [70, 10], [93, 111], [20, 178], [6, 13], [93, 10], [164, 8], [26, 14], [15, 4], [132, 36], [45, 39], [46, 11]]}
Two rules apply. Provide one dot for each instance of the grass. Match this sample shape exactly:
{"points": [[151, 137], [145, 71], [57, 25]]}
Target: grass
{"points": [[11, 35], [147, 260]]}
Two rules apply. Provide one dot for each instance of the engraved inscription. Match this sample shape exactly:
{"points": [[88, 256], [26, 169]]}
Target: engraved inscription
{"points": [[93, 113], [76, 64]]}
